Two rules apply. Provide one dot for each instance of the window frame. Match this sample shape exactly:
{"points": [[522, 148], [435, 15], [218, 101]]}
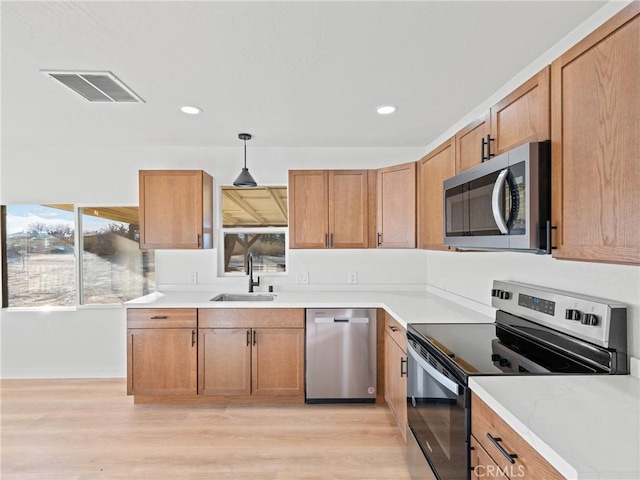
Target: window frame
{"points": [[222, 230], [78, 259]]}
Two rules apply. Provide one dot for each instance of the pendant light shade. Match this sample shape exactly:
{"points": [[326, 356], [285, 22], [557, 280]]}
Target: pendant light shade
{"points": [[245, 179]]}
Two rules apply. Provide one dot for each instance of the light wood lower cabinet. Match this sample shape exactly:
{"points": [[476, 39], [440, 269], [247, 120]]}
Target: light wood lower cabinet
{"points": [[499, 452], [396, 371], [251, 353], [161, 352]]}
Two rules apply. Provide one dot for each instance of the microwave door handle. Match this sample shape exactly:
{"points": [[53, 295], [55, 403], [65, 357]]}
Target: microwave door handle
{"points": [[449, 384], [498, 188]]}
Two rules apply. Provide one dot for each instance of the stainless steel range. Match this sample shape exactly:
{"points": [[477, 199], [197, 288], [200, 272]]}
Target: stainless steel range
{"points": [[538, 331]]}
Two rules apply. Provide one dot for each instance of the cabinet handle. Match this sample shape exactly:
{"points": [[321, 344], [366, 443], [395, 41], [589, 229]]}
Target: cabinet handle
{"points": [[403, 372], [254, 337], [193, 337], [379, 239], [326, 240], [392, 328], [159, 317], [248, 337], [483, 143], [509, 456], [487, 142], [199, 240], [331, 240]]}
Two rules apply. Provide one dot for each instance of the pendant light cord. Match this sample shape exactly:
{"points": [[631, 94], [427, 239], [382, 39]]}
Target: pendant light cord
{"points": [[245, 153]]}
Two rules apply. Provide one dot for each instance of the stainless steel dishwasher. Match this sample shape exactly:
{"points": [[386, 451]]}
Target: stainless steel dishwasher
{"points": [[341, 355]]}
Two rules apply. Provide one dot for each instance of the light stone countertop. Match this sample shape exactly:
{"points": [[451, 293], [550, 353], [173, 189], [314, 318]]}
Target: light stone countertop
{"points": [[586, 426], [406, 307]]}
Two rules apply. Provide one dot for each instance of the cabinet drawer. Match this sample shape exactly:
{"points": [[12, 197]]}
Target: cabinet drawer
{"points": [[251, 317], [528, 463], [395, 331], [162, 318]]}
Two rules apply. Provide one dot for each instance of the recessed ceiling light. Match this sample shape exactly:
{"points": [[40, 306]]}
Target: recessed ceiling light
{"points": [[386, 109], [191, 110]]}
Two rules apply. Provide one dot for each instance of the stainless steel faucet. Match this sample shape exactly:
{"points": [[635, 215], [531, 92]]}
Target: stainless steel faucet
{"points": [[249, 271]]}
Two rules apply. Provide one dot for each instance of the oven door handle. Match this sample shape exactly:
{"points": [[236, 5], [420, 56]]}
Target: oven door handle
{"points": [[449, 384], [498, 188]]}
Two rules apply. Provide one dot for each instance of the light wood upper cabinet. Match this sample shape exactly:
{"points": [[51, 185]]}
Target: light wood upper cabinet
{"points": [[469, 143], [433, 170], [397, 206], [161, 352], [596, 144], [176, 209], [522, 116], [328, 209]]}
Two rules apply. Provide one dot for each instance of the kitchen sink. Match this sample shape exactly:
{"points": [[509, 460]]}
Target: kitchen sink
{"points": [[243, 297]]}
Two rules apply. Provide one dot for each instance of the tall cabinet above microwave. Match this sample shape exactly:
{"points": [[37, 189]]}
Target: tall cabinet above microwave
{"points": [[503, 203]]}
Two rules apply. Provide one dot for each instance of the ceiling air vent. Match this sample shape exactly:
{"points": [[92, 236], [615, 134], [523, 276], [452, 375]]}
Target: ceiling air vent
{"points": [[95, 86]]}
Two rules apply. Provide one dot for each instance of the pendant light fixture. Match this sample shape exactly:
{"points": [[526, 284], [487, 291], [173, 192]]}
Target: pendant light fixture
{"points": [[245, 179]]}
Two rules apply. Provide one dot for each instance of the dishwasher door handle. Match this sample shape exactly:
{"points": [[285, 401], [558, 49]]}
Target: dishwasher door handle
{"points": [[340, 320]]}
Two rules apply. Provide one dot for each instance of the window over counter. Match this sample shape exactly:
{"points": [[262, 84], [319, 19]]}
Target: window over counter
{"points": [[41, 267], [254, 220]]}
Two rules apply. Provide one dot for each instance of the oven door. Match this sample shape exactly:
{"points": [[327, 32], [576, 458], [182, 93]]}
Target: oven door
{"points": [[438, 417]]}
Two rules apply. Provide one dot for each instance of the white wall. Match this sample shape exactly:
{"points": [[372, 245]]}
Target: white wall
{"points": [[90, 342], [470, 275]]}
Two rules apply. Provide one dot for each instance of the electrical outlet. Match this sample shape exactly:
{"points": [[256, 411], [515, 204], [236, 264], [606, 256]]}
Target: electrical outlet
{"points": [[302, 277], [353, 278], [193, 278]]}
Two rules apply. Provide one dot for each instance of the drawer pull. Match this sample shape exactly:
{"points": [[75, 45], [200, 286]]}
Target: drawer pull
{"points": [[159, 317], [403, 371], [509, 456], [393, 329]]}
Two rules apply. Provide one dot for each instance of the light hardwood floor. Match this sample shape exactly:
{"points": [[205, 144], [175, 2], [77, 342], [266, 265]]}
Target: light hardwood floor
{"points": [[89, 429]]}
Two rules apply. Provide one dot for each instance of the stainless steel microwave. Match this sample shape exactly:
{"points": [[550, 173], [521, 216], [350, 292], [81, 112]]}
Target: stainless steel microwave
{"points": [[503, 203]]}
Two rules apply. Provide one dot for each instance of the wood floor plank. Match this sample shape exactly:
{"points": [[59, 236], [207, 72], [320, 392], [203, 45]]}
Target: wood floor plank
{"points": [[86, 429]]}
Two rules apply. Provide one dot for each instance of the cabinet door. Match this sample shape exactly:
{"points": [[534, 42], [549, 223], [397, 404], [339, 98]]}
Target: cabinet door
{"points": [[278, 362], [348, 209], [397, 206], [469, 150], [596, 146], [308, 209], [161, 361], [396, 382], [176, 209], [483, 466], [433, 170], [523, 116], [225, 361]]}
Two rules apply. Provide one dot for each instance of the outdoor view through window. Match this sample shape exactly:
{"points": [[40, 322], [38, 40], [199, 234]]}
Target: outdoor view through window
{"points": [[41, 266], [254, 220]]}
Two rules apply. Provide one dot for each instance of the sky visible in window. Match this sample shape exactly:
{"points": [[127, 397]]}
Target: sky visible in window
{"points": [[20, 217]]}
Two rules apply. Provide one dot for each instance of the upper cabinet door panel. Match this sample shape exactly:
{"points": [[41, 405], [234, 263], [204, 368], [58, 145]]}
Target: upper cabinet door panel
{"points": [[523, 116], [596, 144], [348, 209], [433, 170], [308, 208], [176, 209], [397, 206], [469, 150]]}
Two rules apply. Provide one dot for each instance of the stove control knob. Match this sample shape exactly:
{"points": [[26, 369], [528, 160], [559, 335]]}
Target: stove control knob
{"points": [[589, 319], [572, 314], [505, 295], [495, 292]]}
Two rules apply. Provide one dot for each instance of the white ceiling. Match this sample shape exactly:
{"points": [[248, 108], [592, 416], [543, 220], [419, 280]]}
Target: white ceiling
{"points": [[291, 73]]}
